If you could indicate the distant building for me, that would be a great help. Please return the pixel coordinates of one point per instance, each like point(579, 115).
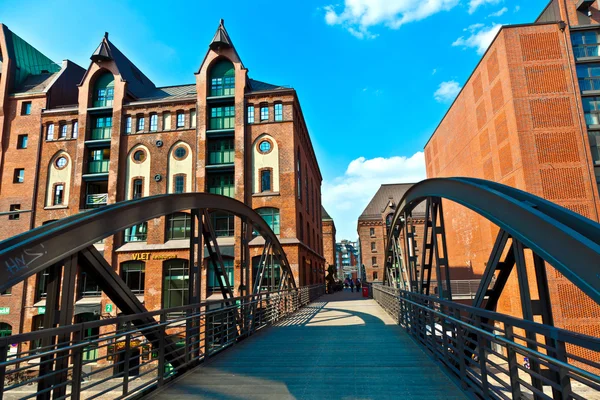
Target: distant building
point(348, 259)
point(372, 228)
point(329, 246)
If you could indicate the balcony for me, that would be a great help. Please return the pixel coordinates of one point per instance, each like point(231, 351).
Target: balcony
point(98, 166)
point(101, 133)
point(96, 200)
point(586, 51)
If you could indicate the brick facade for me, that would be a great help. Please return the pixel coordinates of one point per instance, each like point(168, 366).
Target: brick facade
point(73, 104)
point(519, 121)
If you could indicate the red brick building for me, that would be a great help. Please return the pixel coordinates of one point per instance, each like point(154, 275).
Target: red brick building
point(528, 117)
point(372, 227)
point(328, 238)
point(74, 139)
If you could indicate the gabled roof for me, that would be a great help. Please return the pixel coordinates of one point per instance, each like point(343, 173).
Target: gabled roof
point(35, 84)
point(388, 192)
point(325, 215)
point(178, 92)
point(221, 38)
point(138, 84)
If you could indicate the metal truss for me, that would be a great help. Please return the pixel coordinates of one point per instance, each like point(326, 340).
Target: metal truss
point(64, 245)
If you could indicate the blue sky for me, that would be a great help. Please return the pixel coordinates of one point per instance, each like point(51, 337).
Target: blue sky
point(374, 77)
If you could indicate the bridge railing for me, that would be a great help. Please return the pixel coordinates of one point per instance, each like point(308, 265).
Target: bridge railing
point(112, 358)
point(497, 356)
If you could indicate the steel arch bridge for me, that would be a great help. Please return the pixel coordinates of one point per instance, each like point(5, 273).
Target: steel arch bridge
point(555, 236)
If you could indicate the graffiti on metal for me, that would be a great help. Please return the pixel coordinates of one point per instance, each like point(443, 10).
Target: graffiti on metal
point(23, 261)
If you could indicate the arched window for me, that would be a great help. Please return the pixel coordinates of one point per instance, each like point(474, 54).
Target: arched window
point(178, 226)
point(104, 90)
point(388, 219)
point(222, 79)
point(5, 329)
point(134, 275)
point(176, 274)
point(271, 217)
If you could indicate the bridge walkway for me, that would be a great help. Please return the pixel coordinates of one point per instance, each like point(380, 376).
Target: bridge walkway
point(340, 347)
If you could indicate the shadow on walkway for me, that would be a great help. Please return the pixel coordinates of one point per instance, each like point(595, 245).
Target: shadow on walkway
point(342, 346)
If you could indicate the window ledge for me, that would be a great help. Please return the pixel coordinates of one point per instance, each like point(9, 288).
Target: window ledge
point(61, 207)
point(594, 127)
point(265, 194)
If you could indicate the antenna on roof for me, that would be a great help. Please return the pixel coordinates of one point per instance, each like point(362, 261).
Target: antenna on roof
point(222, 22)
point(105, 35)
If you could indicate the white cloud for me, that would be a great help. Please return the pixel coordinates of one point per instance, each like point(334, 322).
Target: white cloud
point(480, 37)
point(499, 13)
point(357, 16)
point(346, 196)
point(475, 4)
point(517, 8)
point(434, 71)
point(447, 91)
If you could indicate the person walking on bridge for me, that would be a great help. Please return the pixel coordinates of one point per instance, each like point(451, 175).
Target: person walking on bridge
point(358, 285)
point(351, 285)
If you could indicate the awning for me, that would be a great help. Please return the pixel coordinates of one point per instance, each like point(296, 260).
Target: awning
point(225, 251)
point(88, 305)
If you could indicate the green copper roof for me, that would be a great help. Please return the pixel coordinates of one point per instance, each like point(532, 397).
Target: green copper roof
point(28, 60)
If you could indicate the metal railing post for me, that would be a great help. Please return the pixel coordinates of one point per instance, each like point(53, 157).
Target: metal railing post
point(126, 360)
point(161, 350)
point(3, 352)
point(513, 367)
point(77, 360)
point(481, 342)
point(460, 349)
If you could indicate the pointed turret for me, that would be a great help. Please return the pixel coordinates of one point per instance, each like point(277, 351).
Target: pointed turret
point(221, 39)
point(102, 53)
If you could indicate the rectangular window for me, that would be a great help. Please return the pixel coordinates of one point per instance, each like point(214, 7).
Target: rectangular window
point(375, 277)
point(179, 184)
point(15, 216)
point(26, 108)
point(102, 129)
point(88, 287)
point(373, 246)
point(222, 117)
point(278, 112)
point(374, 260)
point(153, 122)
point(594, 138)
point(193, 118)
point(222, 184)
point(134, 275)
point(63, 132)
point(136, 233)
point(180, 120)
point(179, 226)
point(588, 76)
point(42, 285)
point(50, 132)
point(213, 277)
point(140, 124)
point(220, 151)
point(22, 142)
point(250, 114)
point(591, 109)
point(59, 191)
point(265, 180)
point(372, 231)
point(128, 124)
point(585, 44)
point(138, 188)
point(223, 223)
point(19, 176)
point(167, 121)
point(264, 113)
point(75, 132)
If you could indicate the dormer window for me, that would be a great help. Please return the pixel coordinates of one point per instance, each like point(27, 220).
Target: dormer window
point(104, 90)
point(222, 79)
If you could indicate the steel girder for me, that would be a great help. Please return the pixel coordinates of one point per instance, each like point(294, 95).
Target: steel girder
point(560, 237)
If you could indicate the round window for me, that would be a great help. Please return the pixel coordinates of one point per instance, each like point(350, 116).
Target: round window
point(180, 152)
point(139, 155)
point(61, 162)
point(264, 146)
